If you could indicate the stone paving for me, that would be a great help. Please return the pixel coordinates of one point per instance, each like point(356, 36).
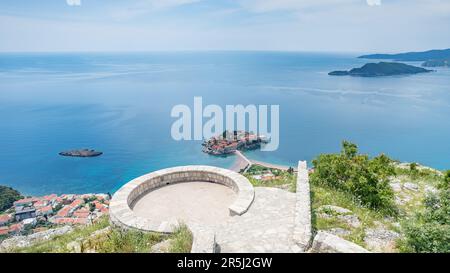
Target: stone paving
point(198, 202)
point(266, 227)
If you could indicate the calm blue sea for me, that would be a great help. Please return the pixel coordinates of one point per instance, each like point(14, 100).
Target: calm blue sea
point(120, 104)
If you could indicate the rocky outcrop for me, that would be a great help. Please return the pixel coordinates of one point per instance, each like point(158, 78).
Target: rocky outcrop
point(81, 153)
point(339, 232)
point(380, 239)
point(325, 242)
point(162, 247)
point(343, 214)
point(25, 241)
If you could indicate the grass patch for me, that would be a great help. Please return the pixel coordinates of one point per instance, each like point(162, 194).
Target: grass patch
point(322, 195)
point(120, 241)
point(283, 179)
point(98, 238)
point(181, 240)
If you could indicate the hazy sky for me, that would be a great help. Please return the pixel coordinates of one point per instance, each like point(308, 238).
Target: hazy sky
point(301, 25)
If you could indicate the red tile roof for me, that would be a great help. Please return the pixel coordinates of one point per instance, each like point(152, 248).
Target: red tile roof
point(63, 220)
point(4, 230)
point(81, 213)
point(76, 203)
point(5, 218)
point(15, 227)
point(80, 221)
point(45, 209)
point(40, 203)
point(50, 197)
point(64, 212)
point(24, 201)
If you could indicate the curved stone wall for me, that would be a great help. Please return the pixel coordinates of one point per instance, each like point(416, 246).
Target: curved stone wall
point(121, 206)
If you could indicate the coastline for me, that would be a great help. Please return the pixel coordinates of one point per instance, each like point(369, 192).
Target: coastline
point(242, 162)
point(272, 166)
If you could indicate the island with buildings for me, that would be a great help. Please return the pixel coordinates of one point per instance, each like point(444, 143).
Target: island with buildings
point(231, 141)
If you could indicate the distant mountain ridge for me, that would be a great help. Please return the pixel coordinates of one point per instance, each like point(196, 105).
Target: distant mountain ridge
point(435, 54)
point(381, 69)
point(431, 58)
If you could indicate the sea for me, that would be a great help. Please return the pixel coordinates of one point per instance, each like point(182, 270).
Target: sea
point(121, 103)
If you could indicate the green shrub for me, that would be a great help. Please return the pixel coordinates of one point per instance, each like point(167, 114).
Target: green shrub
point(366, 179)
point(429, 231)
point(446, 183)
point(7, 197)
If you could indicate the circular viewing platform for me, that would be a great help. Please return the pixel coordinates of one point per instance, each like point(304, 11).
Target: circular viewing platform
point(198, 195)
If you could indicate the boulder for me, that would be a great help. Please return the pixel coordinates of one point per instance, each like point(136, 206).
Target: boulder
point(325, 242)
point(162, 247)
point(430, 189)
point(380, 239)
point(343, 214)
point(351, 220)
point(396, 186)
point(329, 209)
point(411, 186)
point(339, 232)
point(74, 247)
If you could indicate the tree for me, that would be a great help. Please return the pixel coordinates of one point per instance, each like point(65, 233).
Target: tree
point(8, 196)
point(366, 179)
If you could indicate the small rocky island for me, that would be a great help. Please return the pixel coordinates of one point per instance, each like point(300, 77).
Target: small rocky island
point(81, 153)
point(381, 69)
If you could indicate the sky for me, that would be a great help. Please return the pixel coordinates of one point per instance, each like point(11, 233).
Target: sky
point(185, 25)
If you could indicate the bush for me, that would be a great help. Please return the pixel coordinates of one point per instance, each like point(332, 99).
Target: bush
point(7, 197)
point(446, 183)
point(429, 231)
point(366, 179)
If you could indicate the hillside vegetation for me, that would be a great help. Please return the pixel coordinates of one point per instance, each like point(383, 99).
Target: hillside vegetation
point(380, 204)
point(100, 237)
point(7, 197)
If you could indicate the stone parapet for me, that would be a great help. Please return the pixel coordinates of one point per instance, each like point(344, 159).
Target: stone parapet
point(121, 205)
point(302, 234)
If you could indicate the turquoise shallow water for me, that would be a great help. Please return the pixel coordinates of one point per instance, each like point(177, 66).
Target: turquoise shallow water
point(120, 104)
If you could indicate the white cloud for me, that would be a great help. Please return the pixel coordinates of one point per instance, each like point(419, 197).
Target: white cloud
point(142, 7)
point(292, 5)
point(374, 2)
point(73, 2)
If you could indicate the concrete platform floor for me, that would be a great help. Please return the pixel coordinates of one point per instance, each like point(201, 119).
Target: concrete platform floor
point(267, 227)
point(191, 202)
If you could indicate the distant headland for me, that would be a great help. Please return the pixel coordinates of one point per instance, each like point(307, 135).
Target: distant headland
point(81, 153)
point(431, 58)
point(381, 69)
